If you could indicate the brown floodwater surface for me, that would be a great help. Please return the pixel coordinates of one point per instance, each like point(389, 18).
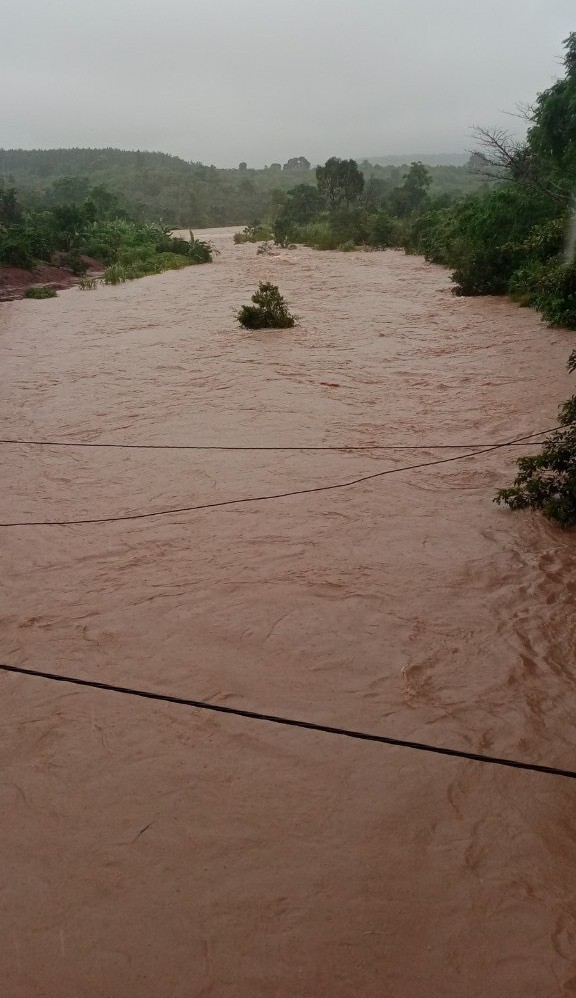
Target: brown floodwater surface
point(155, 851)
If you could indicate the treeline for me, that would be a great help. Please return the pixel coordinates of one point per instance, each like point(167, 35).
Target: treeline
point(156, 187)
point(345, 210)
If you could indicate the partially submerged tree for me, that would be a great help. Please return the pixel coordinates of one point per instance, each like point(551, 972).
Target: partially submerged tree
point(269, 310)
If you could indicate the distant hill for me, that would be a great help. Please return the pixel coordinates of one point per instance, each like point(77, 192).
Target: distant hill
point(48, 163)
point(429, 159)
point(154, 186)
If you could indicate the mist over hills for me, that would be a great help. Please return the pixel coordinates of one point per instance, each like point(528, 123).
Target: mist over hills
point(429, 159)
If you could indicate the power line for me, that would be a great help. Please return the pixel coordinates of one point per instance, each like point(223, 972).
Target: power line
point(257, 447)
point(292, 722)
point(261, 498)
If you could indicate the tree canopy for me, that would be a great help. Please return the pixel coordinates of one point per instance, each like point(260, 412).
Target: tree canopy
point(339, 180)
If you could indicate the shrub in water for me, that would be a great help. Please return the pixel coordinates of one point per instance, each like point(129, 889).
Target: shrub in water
point(199, 251)
point(318, 235)
point(254, 233)
point(116, 274)
point(134, 266)
point(41, 291)
point(170, 261)
point(266, 249)
point(87, 283)
point(547, 481)
point(269, 310)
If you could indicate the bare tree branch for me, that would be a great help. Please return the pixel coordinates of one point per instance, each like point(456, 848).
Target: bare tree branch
point(501, 157)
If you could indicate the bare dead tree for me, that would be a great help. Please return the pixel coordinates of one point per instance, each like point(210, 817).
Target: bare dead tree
point(496, 154)
point(501, 157)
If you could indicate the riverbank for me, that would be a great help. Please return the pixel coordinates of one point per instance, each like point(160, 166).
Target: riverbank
point(15, 281)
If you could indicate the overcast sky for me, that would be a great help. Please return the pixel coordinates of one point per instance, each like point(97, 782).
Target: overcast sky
point(263, 80)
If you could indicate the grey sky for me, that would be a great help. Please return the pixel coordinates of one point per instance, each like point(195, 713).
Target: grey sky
point(262, 80)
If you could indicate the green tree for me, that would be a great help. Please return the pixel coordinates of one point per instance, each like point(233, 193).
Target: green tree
point(106, 204)
point(303, 203)
point(10, 211)
point(413, 193)
point(339, 181)
point(551, 147)
point(490, 236)
point(68, 190)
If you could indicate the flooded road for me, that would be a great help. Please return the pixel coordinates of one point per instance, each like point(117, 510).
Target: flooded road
point(154, 851)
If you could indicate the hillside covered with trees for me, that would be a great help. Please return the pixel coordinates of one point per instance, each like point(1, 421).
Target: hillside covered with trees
point(156, 187)
point(152, 186)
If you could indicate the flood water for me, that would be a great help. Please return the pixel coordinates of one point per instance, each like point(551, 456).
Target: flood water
point(155, 851)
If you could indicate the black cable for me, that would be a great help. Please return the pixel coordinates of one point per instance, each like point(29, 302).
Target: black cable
point(291, 722)
point(278, 495)
point(272, 447)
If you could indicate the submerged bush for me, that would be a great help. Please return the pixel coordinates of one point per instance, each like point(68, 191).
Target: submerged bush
point(87, 283)
point(41, 291)
point(547, 481)
point(170, 261)
point(483, 271)
point(269, 310)
point(133, 266)
point(173, 244)
point(254, 233)
point(283, 231)
point(318, 235)
point(199, 251)
point(116, 274)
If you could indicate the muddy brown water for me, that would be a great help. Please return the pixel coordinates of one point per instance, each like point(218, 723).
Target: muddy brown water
point(153, 851)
